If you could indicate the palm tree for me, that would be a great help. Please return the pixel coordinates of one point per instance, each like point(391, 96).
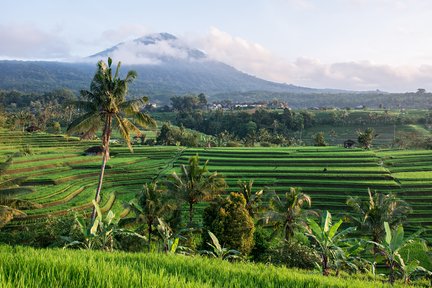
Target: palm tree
point(196, 184)
point(328, 239)
point(253, 200)
point(369, 215)
point(106, 106)
point(286, 212)
point(150, 205)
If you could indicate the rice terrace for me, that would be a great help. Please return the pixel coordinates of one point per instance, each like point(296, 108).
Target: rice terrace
point(134, 158)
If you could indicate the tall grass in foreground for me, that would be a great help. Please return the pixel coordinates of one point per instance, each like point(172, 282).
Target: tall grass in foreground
point(27, 267)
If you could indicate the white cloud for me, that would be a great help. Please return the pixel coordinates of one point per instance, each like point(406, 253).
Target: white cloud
point(254, 59)
point(134, 52)
point(28, 42)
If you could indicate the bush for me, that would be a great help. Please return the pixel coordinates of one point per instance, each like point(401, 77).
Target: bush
point(293, 254)
point(233, 144)
point(230, 221)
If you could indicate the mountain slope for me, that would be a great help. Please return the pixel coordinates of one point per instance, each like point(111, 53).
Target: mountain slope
point(166, 66)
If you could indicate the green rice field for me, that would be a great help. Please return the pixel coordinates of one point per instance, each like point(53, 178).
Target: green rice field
point(61, 179)
point(27, 267)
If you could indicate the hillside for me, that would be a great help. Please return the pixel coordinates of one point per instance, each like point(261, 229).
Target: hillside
point(165, 65)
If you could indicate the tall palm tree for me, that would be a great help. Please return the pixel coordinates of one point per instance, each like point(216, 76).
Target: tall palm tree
point(196, 184)
point(286, 212)
point(105, 105)
point(151, 204)
point(369, 215)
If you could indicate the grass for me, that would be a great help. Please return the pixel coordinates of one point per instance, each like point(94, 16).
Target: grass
point(27, 267)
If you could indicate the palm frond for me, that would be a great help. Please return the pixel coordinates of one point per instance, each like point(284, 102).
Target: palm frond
point(85, 123)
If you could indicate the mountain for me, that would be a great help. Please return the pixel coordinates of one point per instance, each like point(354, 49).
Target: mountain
point(166, 66)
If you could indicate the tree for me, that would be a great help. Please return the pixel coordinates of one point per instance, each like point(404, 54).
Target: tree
point(150, 204)
point(286, 212)
point(366, 137)
point(319, 139)
point(230, 221)
point(105, 105)
point(328, 239)
point(369, 215)
point(195, 184)
point(253, 200)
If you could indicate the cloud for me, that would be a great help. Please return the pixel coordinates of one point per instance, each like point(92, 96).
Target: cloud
point(254, 59)
point(136, 52)
point(125, 32)
point(28, 42)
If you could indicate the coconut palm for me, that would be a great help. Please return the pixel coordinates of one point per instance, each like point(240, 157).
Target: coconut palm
point(105, 105)
point(369, 215)
point(150, 205)
point(253, 200)
point(286, 212)
point(195, 184)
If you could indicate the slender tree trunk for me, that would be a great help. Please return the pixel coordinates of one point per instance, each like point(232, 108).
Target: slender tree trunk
point(149, 230)
point(105, 142)
point(190, 213)
point(325, 268)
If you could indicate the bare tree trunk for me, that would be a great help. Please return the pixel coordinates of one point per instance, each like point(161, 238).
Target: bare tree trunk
point(105, 141)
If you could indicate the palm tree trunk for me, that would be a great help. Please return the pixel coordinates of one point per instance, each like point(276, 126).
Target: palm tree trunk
point(190, 213)
point(105, 142)
point(149, 229)
point(325, 268)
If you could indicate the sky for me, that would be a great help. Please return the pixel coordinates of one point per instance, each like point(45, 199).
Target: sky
point(345, 44)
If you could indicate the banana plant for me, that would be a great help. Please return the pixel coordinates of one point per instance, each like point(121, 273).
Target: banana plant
point(170, 240)
point(328, 240)
point(219, 251)
point(393, 242)
point(100, 235)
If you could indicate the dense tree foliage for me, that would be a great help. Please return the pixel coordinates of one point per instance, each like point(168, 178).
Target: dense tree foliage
point(229, 219)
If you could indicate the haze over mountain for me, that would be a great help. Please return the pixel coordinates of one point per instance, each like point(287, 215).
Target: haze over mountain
point(166, 66)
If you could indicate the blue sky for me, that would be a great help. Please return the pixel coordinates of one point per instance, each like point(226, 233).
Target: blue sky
point(349, 44)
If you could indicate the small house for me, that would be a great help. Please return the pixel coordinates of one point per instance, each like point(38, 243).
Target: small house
point(349, 143)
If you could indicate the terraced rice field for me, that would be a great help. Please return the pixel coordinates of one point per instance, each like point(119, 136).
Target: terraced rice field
point(62, 179)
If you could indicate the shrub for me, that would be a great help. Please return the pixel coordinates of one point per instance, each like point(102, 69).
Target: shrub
point(230, 221)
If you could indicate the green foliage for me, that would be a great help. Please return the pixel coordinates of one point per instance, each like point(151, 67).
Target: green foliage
point(151, 204)
point(73, 268)
point(393, 242)
point(99, 234)
point(195, 184)
point(328, 240)
point(286, 214)
point(219, 251)
point(253, 200)
point(294, 254)
point(231, 222)
point(369, 215)
point(366, 137)
point(171, 136)
point(319, 139)
point(105, 105)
